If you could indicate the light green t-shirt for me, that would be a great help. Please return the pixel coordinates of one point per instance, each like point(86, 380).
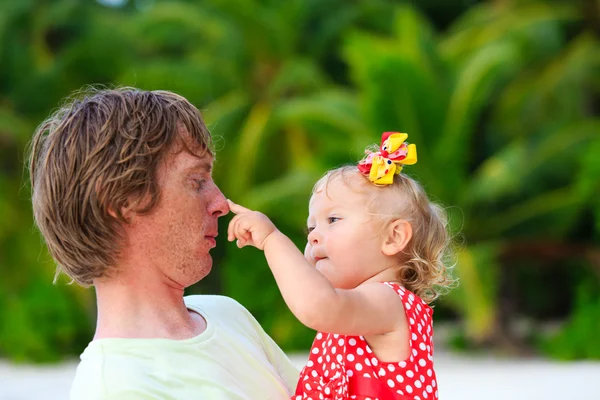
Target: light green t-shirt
point(233, 359)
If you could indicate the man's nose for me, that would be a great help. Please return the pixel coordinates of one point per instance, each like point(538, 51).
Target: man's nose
point(218, 204)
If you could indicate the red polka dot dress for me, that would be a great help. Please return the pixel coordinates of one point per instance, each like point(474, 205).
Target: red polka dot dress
point(344, 367)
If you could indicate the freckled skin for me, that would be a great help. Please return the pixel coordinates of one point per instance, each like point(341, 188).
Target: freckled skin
point(172, 237)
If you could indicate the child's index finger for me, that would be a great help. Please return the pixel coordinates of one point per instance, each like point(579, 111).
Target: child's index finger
point(236, 208)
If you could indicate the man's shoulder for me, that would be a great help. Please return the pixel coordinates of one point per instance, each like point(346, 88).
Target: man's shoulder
point(100, 377)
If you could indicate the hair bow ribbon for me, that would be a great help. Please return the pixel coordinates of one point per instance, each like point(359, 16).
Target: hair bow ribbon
point(381, 166)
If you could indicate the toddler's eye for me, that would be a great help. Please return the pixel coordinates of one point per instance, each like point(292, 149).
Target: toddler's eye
point(331, 220)
point(309, 229)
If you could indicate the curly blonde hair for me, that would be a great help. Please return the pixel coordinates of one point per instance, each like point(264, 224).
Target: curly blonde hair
point(425, 265)
point(96, 157)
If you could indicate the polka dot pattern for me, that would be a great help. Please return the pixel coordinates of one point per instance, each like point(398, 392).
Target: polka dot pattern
point(339, 366)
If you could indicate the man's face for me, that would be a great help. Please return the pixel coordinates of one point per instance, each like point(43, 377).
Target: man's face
point(175, 238)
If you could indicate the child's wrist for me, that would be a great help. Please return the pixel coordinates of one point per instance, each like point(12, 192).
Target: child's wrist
point(270, 238)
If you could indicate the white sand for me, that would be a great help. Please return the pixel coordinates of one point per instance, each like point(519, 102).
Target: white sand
point(460, 378)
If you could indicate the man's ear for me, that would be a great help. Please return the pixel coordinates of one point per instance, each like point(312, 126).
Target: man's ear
point(396, 236)
point(127, 212)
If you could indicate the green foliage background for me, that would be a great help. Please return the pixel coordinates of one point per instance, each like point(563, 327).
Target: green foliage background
point(501, 97)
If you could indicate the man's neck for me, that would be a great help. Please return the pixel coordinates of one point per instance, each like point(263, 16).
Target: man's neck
point(144, 307)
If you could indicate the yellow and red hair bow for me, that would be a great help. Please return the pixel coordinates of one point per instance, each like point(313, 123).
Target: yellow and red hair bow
point(381, 166)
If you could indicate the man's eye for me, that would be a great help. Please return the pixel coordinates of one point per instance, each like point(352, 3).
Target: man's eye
point(199, 183)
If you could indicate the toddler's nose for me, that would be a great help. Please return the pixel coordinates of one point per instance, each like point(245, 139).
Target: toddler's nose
point(313, 237)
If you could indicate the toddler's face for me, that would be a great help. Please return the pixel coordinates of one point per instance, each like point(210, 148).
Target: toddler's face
point(344, 241)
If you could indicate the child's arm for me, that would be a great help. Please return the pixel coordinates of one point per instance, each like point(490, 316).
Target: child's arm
point(369, 309)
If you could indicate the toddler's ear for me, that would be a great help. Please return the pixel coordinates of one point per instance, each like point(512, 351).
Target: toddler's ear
point(397, 235)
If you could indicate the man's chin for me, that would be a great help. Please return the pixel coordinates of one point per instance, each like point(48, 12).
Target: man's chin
point(200, 271)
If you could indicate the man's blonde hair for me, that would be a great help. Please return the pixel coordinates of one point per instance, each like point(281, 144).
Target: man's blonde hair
point(94, 158)
point(425, 264)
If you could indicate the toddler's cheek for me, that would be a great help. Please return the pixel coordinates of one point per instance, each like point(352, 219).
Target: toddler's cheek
point(307, 254)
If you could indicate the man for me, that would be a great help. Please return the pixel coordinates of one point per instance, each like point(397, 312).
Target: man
point(123, 195)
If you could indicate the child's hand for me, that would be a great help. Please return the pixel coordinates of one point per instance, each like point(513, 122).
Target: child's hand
point(249, 227)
